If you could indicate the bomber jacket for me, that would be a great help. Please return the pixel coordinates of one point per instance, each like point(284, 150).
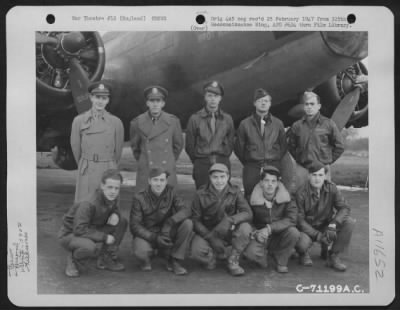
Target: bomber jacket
point(85, 217)
point(201, 143)
point(209, 208)
point(282, 214)
point(251, 146)
point(149, 212)
point(318, 140)
point(316, 213)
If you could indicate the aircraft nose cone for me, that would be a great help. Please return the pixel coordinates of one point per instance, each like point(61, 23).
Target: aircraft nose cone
point(73, 42)
point(347, 43)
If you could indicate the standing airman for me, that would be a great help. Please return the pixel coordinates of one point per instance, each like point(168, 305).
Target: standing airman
point(156, 138)
point(97, 139)
point(314, 138)
point(261, 140)
point(210, 134)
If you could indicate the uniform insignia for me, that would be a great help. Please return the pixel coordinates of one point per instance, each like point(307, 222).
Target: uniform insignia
point(154, 90)
point(101, 86)
point(214, 84)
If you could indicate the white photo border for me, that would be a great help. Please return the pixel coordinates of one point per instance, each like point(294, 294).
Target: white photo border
point(21, 154)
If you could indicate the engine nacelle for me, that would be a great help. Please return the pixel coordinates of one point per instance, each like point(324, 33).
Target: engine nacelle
point(54, 101)
point(52, 60)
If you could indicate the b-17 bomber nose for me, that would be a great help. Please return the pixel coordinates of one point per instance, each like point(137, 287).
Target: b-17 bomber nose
point(347, 43)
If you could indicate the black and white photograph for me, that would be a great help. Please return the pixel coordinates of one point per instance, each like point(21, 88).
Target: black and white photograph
point(204, 162)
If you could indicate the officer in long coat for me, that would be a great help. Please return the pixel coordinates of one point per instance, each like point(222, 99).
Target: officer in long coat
point(156, 138)
point(97, 139)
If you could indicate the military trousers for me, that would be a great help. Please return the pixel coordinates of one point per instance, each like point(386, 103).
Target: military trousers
point(280, 245)
point(343, 237)
point(181, 236)
point(202, 165)
point(251, 175)
point(83, 248)
point(202, 251)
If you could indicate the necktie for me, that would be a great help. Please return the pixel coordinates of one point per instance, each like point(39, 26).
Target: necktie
point(316, 195)
point(212, 123)
point(262, 127)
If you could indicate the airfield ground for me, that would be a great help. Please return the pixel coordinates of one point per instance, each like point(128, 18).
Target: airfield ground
point(55, 194)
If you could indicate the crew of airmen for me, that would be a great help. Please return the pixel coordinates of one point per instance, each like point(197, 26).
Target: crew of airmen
point(220, 224)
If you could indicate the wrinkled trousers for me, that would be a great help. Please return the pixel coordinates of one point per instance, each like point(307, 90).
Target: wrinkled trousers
point(83, 248)
point(343, 237)
point(202, 251)
point(181, 236)
point(279, 244)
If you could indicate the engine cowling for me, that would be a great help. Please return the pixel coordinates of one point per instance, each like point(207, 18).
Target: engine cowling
point(56, 103)
point(53, 58)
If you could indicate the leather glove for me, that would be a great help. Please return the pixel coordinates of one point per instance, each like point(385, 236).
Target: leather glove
point(223, 227)
point(322, 238)
point(217, 244)
point(166, 228)
point(164, 242)
point(263, 234)
point(113, 219)
point(330, 233)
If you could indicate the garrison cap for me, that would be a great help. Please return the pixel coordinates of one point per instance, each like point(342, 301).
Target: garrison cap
point(315, 166)
point(214, 87)
point(260, 93)
point(155, 92)
point(100, 88)
point(218, 167)
point(157, 171)
point(271, 170)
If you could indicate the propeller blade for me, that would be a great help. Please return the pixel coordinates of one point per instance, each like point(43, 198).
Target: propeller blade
point(90, 54)
point(79, 83)
point(288, 172)
point(43, 39)
point(345, 108)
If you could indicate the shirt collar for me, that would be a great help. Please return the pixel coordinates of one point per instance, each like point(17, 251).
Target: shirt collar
point(228, 189)
point(98, 199)
point(88, 115)
point(323, 189)
point(204, 113)
point(154, 118)
point(267, 118)
point(154, 197)
point(316, 118)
